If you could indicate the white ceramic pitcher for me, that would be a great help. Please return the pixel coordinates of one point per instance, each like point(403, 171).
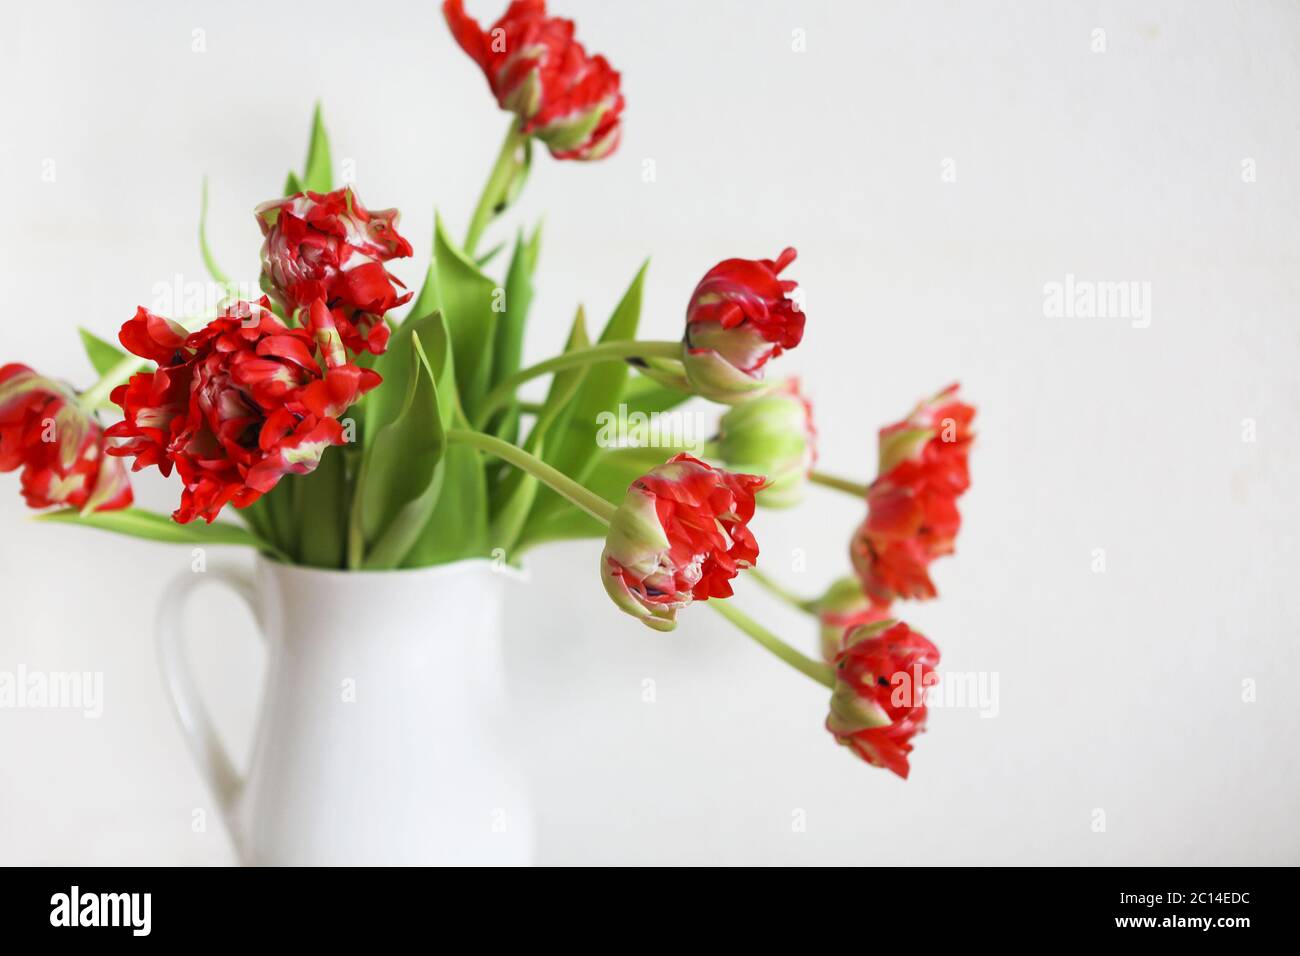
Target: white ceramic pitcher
point(383, 726)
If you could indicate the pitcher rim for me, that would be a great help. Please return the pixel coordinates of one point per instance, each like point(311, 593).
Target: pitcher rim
point(509, 572)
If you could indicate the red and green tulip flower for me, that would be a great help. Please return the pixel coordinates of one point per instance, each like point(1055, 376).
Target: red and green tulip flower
point(878, 704)
point(680, 535)
point(740, 316)
point(564, 97)
point(58, 444)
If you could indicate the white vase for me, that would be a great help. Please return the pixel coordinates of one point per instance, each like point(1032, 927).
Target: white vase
point(383, 731)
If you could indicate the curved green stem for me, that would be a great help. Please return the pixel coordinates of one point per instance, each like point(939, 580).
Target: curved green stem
point(497, 188)
point(776, 588)
point(620, 350)
point(839, 484)
point(821, 673)
point(556, 480)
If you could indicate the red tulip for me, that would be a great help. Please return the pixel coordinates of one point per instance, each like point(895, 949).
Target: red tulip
point(59, 447)
point(932, 445)
point(569, 100)
point(878, 704)
point(236, 405)
point(740, 316)
point(328, 246)
point(912, 515)
point(680, 535)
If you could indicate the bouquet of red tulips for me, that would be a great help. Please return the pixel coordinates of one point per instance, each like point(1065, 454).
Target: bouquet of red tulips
point(340, 434)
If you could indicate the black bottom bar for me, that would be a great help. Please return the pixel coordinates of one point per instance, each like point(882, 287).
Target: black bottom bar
point(910, 906)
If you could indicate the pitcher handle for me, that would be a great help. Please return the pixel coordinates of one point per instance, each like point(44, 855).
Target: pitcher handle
point(218, 772)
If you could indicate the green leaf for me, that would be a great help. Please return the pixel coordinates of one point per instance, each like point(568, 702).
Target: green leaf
point(603, 387)
point(648, 396)
point(255, 517)
point(103, 355)
point(209, 262)
point(458, 527)
point(318, 171)
point(600, 392)
point(278, 509)
point(319, 500)
point(565, 382)
point(509, 343)
point(519, 489)
point(395, 365)
point(400, 474)
point(318, 174)
point(139, 523)
point(426, 303)
point(509, 340)
point(534, 247)
point(466, 297)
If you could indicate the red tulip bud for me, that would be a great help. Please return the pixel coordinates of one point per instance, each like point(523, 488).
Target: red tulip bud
point(878, 704)
point(59, 446)
point(564, 97)
point(680, 535)
point(740, 316)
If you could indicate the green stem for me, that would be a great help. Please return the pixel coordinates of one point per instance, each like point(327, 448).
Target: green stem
point(839, 484)
point(493, 198)
point(619, 350)
point(818, 671)
point(776, 588)
point(556, 480)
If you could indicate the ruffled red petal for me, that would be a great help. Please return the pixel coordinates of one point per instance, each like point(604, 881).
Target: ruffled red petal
point(250, 401)
point(570, 100)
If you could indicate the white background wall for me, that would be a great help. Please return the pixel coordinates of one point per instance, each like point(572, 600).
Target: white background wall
point(1120, 691)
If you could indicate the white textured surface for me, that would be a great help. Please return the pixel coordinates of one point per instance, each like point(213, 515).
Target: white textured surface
point(1119, 691)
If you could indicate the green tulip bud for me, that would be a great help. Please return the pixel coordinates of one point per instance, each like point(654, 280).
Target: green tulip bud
point(774, 436)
